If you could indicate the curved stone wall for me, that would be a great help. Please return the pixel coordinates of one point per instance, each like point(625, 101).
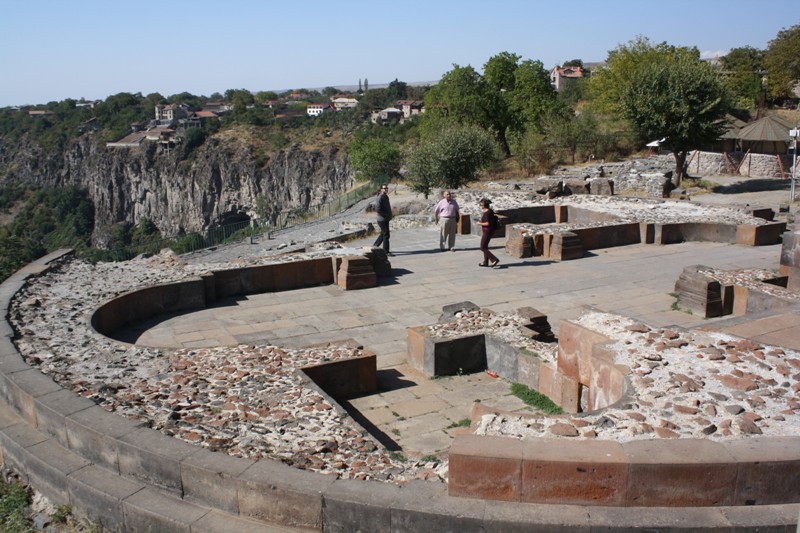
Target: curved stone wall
point(131, 478)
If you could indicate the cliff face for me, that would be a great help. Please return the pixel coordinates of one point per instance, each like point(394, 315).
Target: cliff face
point(218, 185)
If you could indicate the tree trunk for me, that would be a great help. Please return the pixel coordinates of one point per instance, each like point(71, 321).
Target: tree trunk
point(680, 160)
point(501, 139)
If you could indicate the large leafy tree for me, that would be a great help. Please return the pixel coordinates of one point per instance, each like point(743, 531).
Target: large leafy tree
point(742, 69)
point(782, 60)
point(533, 98)
point(683, 100)
point(373, 158)
point(611, 81)
point(509, 96)
point(451, 158)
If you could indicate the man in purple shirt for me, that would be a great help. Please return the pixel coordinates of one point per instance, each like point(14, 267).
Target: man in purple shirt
point(446, 216)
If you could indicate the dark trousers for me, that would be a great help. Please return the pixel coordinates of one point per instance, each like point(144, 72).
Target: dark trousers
point(384, 236)
point(486, 236)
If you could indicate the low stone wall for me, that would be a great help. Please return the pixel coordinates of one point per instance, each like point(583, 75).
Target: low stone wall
point(744, 164)
point(641, 473)
point(127, 477)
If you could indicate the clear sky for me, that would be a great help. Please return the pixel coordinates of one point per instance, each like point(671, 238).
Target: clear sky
point(56, 49)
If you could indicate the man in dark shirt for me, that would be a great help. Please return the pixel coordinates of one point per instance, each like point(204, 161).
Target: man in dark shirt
point(384, 210)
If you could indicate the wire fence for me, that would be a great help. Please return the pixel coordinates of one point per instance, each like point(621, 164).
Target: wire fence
point(249, 229)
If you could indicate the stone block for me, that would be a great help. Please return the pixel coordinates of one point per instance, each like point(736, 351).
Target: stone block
point(606, 384)
point(346, 377)
point(647, 232)
point(601, 186)
point(768, 470)
point(23, 387)
point(153, 458)
point(608, 236)
point(790, 259)
point(518, 243)
point(560, 388)
point(150, 510)
point(561, 213)
point(528, 370)
point(275, 492)
point(52, 410)
point(97, 494)
point(762, 235)
point(48, 464)
point(437, 356)
point(425, 506)
point(752, 300)
point(209, 478)
point(668, 233)
point(565, 246)
point(359, 506)
point(485, 467)
point(699, 293)
point(502, 358)
point(93, 434)
point(579, 473)
point(356, 272)
point(679, 473)
point(464, 225)
point(575, 348)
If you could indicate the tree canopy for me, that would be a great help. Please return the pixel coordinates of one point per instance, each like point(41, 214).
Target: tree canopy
point(682, 100)
point(743, 68)
point(509, 96)
point(612, 80)
point(782, 60)
point(451, 158)
point(373, 158)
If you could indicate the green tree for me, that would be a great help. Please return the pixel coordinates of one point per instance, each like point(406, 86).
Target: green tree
point(611, 81)
point(262, 97)
point(743, 69)
point(499, 75)
point(451, 158)
point(683, 101)
point(373, 158)
point(533, 98)
point(397, 90)
point(458, 97)
point(782, 62)
point(509, 96)
point(571, 132)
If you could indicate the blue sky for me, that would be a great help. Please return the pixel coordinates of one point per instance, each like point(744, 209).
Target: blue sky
point(57, 49)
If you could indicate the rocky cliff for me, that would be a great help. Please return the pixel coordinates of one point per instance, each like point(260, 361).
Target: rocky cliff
point(218, 184)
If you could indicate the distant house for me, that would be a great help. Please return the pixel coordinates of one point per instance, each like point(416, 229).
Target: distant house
point(218, 107)
point(171, 112)
point(389, 114)
point(39, 113)
point(342, 102)
point(560, 77)
point(90, 105)
point(315, 110)
point(410, 108)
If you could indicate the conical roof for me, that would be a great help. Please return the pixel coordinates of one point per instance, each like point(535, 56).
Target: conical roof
point(769, 128)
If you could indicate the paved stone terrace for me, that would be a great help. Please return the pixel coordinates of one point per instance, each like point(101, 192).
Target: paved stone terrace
point(418, 413)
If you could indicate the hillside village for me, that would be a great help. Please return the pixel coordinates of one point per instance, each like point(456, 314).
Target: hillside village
point(170, 118)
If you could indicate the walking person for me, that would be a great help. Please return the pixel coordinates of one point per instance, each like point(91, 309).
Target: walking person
point(446, 214)
point(488, 225)
point(384, 211)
